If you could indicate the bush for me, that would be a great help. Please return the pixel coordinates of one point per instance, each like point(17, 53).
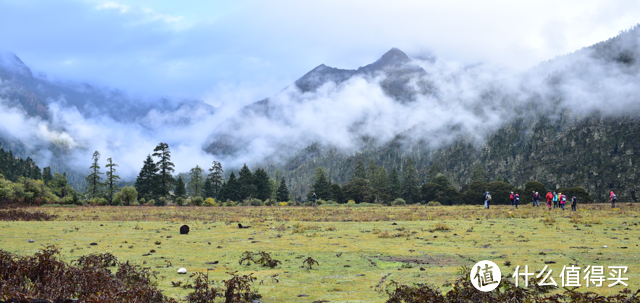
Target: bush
point(142, 201)
point(66, 200)
point(399, 201)
point(151, 202)
point(162, 201)
point(197, 200)
point(180, 201)
point(255, 202)
point(210, 202)
point(135, 204)
point(434, 203)
point(283, 204)
point(97, 201)
point(351, 202)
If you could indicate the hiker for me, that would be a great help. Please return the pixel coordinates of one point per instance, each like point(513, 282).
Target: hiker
point(555, 200)
point(563, 200)
point(574, 203)
point(549, 199)
point(487, 200)
point(536, 199)
point(613, 199)
point(313, 198)
point(512, 198)
point(516, 200)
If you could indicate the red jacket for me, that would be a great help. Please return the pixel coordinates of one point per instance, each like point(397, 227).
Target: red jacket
point(511, 197)
point(549, 197)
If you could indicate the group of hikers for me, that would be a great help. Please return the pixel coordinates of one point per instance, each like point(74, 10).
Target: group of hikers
point(557, 199)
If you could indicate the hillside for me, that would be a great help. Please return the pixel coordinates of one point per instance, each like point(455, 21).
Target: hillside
point(573, 121)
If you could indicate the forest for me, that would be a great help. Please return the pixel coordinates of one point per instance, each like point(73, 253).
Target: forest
point(22, 181)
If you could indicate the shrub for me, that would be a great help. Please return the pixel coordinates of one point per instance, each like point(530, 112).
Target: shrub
point(399, 201)
point(255, 202)
point(434, 203)
point(197, 200)
point(142, 201)
point(210, 202)
point(441, 227)
point(351, 202)
point(162, 201)
point(151, 202)
point(97, 201)
point(283, 204)
point(180, 201)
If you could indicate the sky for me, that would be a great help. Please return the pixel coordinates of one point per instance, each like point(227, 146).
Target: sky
point(236, 52)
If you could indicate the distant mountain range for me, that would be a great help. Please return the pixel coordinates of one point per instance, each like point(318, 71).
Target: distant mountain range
point(570, 121)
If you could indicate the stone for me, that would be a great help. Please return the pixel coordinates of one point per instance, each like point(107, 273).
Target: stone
point(184, 229)
point(182, 270)
point(93, 243)
point(31, 241)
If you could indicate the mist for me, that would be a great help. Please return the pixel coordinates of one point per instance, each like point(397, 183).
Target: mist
point(465, 103)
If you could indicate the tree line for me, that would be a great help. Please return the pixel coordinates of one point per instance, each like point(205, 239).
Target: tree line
point(157, 185)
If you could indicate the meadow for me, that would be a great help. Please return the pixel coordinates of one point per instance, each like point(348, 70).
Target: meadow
point(359, 249)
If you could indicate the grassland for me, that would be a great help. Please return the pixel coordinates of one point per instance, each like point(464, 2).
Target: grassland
point(355, 246)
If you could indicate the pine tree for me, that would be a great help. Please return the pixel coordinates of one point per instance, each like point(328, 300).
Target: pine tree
point(261, 184)
point(147, 179)
point(47, 175)
point(165, 168)
point(359, 171)
point(336, 192)
point(320, 185)
point(196, 183)
point(479, 174)
point(94, 189)
point(181, 189)
point(371, 170)
point(222, 193)
point(282, 193)
point(112, 178)
point(232, 188)
point(207, 188)
point(395, 188)
point(434, 171)
point(216, 178)
point(410, 190)
point(246, 188)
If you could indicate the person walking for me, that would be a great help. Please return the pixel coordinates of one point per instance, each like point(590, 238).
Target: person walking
point(613, 199)
point(536, 199)
point(516, 200)
point(313, 198)
point(487, 200)
point(563, 200)
point(512, 198)
point(555, 200)
point(574, 203)
point(549, 198)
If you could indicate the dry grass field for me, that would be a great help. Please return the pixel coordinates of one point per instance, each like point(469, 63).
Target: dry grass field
point(356, 247)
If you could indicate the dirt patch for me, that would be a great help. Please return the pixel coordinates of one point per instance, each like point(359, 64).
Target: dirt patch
point(428, 260)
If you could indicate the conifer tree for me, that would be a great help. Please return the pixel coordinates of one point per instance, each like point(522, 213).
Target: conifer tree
point(232, 188)
point(321, 186)
point(47, 175)
point(395, 188)
point(261, 184)
point(147, 179)
point(207, 188)
point(165, 168)
point(95, 187)
point(371, 170)
point(112, 179)
point(479, 174)
point(410, 187)
point(246, 188)
point(196, 183)
point(181, 189)
point(216, 178)
point(283, 192)
point(359, 171)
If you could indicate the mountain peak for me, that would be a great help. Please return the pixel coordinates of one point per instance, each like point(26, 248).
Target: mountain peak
point(10, 62)
point(395, 55)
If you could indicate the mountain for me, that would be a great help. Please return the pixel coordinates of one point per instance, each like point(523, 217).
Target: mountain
point(47, 111)
point(571, 121)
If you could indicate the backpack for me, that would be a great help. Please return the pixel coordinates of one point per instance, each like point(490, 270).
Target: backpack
point(488, 197)
point(564, 198)
point(614, 197)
